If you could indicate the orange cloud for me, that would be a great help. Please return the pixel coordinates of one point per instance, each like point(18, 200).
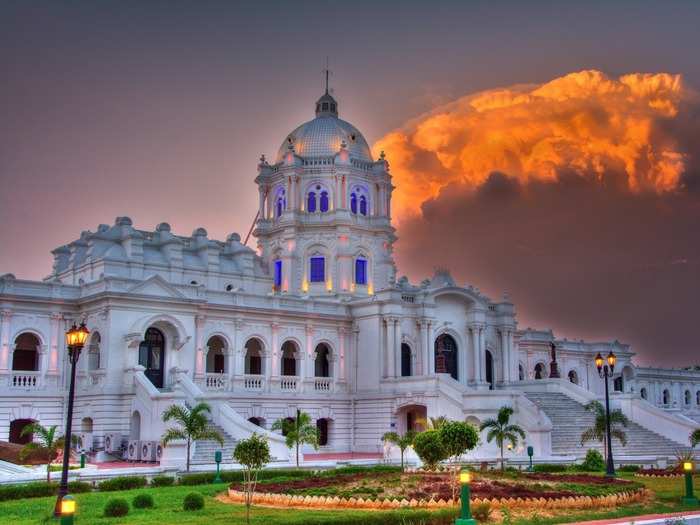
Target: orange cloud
point(583, 123)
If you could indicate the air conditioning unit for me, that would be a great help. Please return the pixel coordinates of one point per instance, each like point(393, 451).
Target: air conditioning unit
point(149, 450)
point(113, 443)
point(85, 442)
point(133, 450)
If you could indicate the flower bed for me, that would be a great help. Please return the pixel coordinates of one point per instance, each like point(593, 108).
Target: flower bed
point(659, 473)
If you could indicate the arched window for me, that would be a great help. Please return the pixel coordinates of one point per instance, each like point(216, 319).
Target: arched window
point(360, 270)
point(489, 369)
point(697, 398)
point(573, 377)
point(539, 371)
point(446, 356)
point(216, 360)
point(359, 201)
point(324, 202)
point(311, 202)
point(687, 397)
point(322, 365)
point(152, 356)
point(93, 360)
point(253, 357)
point(353, 203)
point(257, 421)
point(289, 360)
point(17, 426)
point(406, 368)
point(322, 427)
point(26, 354)
point(135, 426)
point(317, 269)
point(521, 372)
point(278, 273)
point(86, 424)
point(643, 393)
point(617, 384)
point(363, 205)
point(666, 398)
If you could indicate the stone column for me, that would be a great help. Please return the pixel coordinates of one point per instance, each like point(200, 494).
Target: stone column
point(310, 351)
point(355, 354)
point(56, 338)
point(274, 353)
point(200, 355)
point(423, 347)
point(482, 353)
point(397, 347)
point(505, 357)
point(236, 359)
point(429, 348)
point(390, 350)
point(261, 205)
point(341, 356)
point(474, 332)
point(5, 317)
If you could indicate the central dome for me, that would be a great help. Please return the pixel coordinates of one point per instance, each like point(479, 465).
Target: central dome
point(322, 136)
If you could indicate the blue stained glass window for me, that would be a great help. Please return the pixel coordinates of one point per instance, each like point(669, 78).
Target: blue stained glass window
point(363, 205)
point(278, 273)
point(318, 269)
point(311, 202)
point(324, 201)
point(280, 207)
point(353, 203)
point(360, 271)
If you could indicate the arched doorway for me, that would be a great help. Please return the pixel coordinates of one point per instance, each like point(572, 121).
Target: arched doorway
point(93, 353)
point(16, 428)
point(489, 369)
point(289, 359)
point(411, 417)
point(666, 397)
point(152, 356)
point(86, 424)
point(521, 372)
point(253, 357)
point(406, 368)
point(539, 371)
point(573, 377)
point(322, 366)
point(216, 356)
point(643, 393)
point(446, 356)
point(322, 428)
point(26, 354)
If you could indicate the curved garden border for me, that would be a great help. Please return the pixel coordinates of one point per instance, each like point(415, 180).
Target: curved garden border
point(580, 502)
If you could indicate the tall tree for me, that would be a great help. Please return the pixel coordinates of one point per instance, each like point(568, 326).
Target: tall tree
point(457, 437)
point(597, 432)
point(48, 442)
point(502, 430)
point(695, 438)
point(194, 426)
point(403, 442)
point(298, 431)
point(253, 453)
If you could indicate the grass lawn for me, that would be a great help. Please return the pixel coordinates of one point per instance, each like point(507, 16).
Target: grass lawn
point(168, 510)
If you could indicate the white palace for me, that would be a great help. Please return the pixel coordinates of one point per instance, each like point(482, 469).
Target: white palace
point(315, 319)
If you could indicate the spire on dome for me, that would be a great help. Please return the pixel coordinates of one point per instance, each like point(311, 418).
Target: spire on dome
point(326, 106)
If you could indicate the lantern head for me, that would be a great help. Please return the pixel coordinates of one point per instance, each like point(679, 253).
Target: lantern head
point(465, 477)
point(599, 362)
point(67, 505)
point(612, 359)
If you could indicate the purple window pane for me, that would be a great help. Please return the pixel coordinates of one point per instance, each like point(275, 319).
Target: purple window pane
point(361, 271)
point(363, 205)
point(278, 273)
point(318, 269)
point(311, 204)
point(324, 202)
point(353, 203)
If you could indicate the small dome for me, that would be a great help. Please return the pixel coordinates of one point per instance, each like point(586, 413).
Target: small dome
point(323, 136)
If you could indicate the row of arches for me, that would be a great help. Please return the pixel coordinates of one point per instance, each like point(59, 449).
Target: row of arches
point(666, 398)
point(317, 199)
point(254, 362)
point(26, 356)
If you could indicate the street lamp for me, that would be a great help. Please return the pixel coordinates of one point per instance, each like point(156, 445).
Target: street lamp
point(67, 510)
point(605, 371)
point(465, 516)
point(75, 340)
point(689, 498)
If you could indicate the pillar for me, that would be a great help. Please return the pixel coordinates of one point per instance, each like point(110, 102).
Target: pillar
point(505, 356)
point(309, 351)
point(423, 324)
point(274, 353)
point(199, 365)
point(5, 317)
point(261, 205)
point(236, 355)
point(341, 356)
point(55, 339)
point(390, 349)
point(429, 348)
point(397, 347)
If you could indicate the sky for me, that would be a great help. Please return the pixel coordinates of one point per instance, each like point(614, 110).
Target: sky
point(544, 149)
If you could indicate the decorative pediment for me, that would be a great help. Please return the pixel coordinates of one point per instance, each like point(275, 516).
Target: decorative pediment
point(156, 286)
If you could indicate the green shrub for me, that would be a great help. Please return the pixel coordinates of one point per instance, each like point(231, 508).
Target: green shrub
point(594, 461)
point(122, 483)
point(428, 445)
point(482, 512)
point(630, 468)
point(193, 501)
point(142, 501)
point(550, 467)
point(116, 507)
point(39, 490)
point(162, 481)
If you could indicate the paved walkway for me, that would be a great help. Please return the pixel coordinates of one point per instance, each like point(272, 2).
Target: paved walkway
point(638, 520)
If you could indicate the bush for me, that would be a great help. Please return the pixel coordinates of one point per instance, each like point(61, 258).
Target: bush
point(429, 448)
point(162, 481)
point(39, 490)
point(142, 501)
point(193, 501)
point(629, 468)
point(482, 512)
point(594, 461)
point(550, 467)
point(122, 483)
point(116, 507)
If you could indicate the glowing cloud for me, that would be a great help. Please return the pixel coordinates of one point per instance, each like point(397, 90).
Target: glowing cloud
point(613, 131)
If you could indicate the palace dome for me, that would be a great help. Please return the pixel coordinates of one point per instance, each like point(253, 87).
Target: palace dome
point(322, 136)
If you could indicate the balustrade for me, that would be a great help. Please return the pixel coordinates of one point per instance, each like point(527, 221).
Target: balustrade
point(254, 382)
point(25, 380)
point(215, 381)
point(322, 384)
point(288, 383)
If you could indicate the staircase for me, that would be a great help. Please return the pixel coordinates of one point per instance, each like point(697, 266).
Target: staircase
point(204, 450)
point(570, 419)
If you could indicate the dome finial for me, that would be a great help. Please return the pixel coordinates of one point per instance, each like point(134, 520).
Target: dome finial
point(327, 71)
point(326, 106)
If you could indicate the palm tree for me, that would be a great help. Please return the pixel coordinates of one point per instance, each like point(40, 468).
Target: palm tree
point(297, 431)
point(194, 426)
point(403, 442)
point(47, 442)
point(597, 431)
point(695, 438)
point(501, 430)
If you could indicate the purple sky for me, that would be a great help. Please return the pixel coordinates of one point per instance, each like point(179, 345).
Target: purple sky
point(160, 110)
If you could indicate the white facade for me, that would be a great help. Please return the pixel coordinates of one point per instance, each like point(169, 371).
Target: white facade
point(315, 320)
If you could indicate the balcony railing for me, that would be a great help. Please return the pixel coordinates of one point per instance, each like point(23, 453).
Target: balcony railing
point(288, 384)
point(322, 384)
point(25, 380)
point(216, 381)
point(254, 382)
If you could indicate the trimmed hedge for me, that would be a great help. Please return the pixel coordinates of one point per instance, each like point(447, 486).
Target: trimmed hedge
point(39, 490)
point(122, 483)
point(629, 468)
point(193, 501)
point(233, 476)
point(550, 467)
point(162, 481)
point(116, 507)
point(142, 501)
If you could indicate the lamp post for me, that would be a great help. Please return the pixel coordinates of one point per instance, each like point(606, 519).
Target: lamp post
point(530, 453)
point(75, 340)
point(465, 516)
point(605, 371)
point(217, 458)
point(67, 510)
point(689, 498)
